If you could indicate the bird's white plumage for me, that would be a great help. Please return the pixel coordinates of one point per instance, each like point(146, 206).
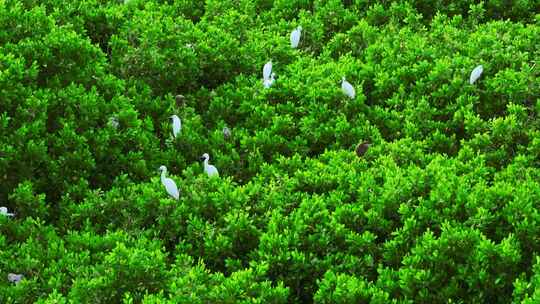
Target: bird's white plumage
point(113, 122)
point(4, 212)
point(14, 278)
point(347, 88)
point(269, 82)
point(226, 132)
point(209, 169)
point(169, 184)
point(176, 125)
point(267, 70)
point(295, 37)
point(475, 74)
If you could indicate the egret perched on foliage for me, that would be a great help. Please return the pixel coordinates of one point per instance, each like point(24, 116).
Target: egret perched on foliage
point(209, 169)
point(475, 74)
point(14, 278)
point(176, 125)
point(169, 184)
point(113, 122)
point(267, 70)
point(347, 88)
point(4, 212)
point(295, 37)
point(269, 82)
point(226, 133)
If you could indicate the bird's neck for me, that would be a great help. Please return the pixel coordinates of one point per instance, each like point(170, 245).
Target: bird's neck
point(163, 172)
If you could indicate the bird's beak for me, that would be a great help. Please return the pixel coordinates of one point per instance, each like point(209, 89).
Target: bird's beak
point(201, 158)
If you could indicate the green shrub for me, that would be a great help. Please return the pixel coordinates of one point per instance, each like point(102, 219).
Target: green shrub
point(442, 207)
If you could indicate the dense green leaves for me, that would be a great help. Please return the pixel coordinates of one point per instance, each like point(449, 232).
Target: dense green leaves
point(442, 208)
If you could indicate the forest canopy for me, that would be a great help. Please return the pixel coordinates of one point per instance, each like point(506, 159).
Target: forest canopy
point(421, 187)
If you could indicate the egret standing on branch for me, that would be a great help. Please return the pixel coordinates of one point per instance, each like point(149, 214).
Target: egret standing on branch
point(209, 169)
point(176, 125)
point(267, 70)
point(347, 88)
point(295, 37)
point(169, 184)
point(226, 133)
point(475, 74)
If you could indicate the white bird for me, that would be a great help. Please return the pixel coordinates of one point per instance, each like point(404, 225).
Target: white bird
point(267, 70)
point(14, 278)
point(226, 133)
point(269, 82)
point(4, 212)
point(113, 122)
point(475, 74)
point(209, 169)
point(169, 184)
point(176, 125)
point(295, 37)
point(347, 88)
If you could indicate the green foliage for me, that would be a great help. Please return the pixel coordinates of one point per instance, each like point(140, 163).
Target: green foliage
point(342, 288)
point(442, 208)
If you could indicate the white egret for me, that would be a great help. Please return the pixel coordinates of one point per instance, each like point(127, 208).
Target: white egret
point(269, 82)
point(295, 37)
point(113, 122)
point(169, 184)
point(347, 88)
point(226, 133)
point(267, 70)
point(14, 278)
point(4, 212)
point(475, 74)
point(209, 169)
point(177, 125)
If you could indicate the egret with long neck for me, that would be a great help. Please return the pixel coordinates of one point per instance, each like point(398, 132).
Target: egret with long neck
point(209, 169)
point(177, 125)
point(295, 37)
point(169, 184)
point(347, 88)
